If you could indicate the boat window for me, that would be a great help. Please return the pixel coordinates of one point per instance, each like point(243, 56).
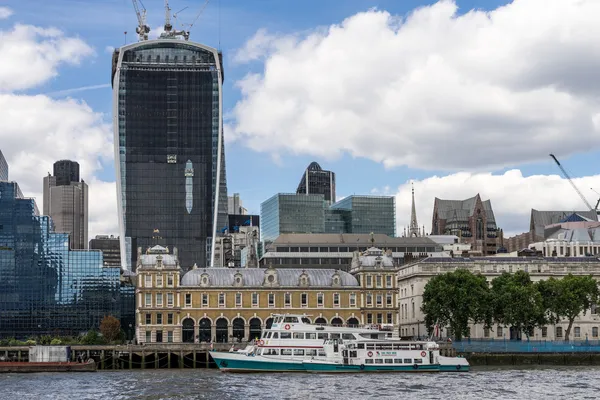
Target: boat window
point(418, 361)
point(299, 352)
point(311, 352)
point(264, 335)
point(347, 336)
point(275, 335)
point(378, 361)
point(322, 353)
point(407, 361)
point(335, 335)
point(353, 354)
point(389, 361)
point(384, 346)
point(286, 352)
point(311, 335)
point(290, 319)
point(298, 335)
point(305, 320)
point(269, 335)
point(397, 361)
point(323, 335)
point(368, 361)
point(270, 352)
point(360, 346)
point(370, 346)
point(286, 335)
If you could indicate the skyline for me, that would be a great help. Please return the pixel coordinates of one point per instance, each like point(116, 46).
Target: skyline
point(518, 99)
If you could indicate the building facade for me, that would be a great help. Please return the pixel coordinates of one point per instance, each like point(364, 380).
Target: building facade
point(234, 205)
point(3, 168)
point(110, 248)
point(368, 214)
point(228, 249)
point(471, 219)
point(291, 213)
point(575, 236)
point(169, 153)
point(317, 181)
point(413, 278)
point(46, 288)
point(66, 201)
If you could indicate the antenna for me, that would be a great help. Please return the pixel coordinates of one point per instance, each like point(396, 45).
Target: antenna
point(125, 37)
point(142, 29)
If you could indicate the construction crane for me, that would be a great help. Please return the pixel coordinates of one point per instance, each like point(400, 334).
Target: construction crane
point(566, 175)
point(598, 202)
point(168, 25)
point(142, 29)
point(169, 31)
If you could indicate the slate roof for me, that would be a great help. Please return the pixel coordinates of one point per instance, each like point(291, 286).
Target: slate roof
point(577, 235)
point(461, 210)
point(544, 218)
point(255, 277)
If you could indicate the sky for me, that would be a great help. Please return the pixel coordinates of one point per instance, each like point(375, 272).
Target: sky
point(455, 97)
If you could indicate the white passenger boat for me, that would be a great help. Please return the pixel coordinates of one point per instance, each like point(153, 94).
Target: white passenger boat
point(293, 345)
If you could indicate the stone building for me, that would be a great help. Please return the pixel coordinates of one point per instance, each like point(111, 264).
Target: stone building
point(413, 278)
point(224, 304)
point(471, 219)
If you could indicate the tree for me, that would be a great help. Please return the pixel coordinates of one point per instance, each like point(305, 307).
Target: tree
point(517, 302)
point(456, 299)
point(110, 327)
point(568, 297)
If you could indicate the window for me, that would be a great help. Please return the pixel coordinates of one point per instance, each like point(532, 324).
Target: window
point(298, 335)
point(299, 352)
point(378, 281)
point(486, 332)
point(170, 281)
point(148, 301)
point(159, 338)
point(188, 299)
point(389, 281)
point(204, 299)
point(336, 299)
point(544, 331)
point(238, 299)
point(170, 319)
point(352, 300)
point(159, 299)
point(499, 331)
point(369, 318)
point(577, 331)
point(319, 299)
point(369, 281)
point(379, 300)
point(271, 300)
point(285, 335)
point(254, 299)
point(170, 336)
point(595, 331)
point(159, 280)
point(148, 281)
point(148, 336)
point(304, 300)
point(221, 299)
point(169, 299)
point(559, 331)
point(388, 300)
point(287, 300)
point(390, 318)
point(413, 309)
point(369, 300)
point(148, 319)
point(380, 318)
point(159, 319)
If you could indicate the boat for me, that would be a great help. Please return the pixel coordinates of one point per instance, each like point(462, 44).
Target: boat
point(49, 366)
point(290, 340)
point(294, 345)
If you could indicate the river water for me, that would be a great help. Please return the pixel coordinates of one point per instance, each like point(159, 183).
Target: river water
point(484, 383)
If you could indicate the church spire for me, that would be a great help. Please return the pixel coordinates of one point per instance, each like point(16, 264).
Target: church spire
point(414, 230)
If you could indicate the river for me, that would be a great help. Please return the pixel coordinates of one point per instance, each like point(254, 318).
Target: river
point(485, 383)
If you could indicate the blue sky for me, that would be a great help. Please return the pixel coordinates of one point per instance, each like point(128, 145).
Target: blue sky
point(229, 24)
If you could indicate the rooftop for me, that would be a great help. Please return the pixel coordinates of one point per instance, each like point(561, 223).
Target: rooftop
point(357, 239)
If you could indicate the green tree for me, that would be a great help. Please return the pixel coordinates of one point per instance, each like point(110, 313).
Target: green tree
point(517, 302)
point(91, 337)
point(456, 299)
point(568, 297)
point(110, 327)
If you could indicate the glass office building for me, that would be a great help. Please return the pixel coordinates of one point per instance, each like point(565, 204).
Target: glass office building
point(291, 213)
point(169, 154)
point(369, 214)
point(3, 168)
point(317, 181)
point(45, 288)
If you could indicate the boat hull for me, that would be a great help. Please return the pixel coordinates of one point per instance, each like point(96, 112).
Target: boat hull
point(28, 367)
point(232, 362)
point(454, 368)
point(340, 368)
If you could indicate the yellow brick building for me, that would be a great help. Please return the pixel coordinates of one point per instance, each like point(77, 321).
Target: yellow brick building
point(225, 304)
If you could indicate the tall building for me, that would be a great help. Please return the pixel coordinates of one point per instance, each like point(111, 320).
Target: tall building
point(369, 214)
point(3, 168)
point(471, 219)
point(110, 248)
point(46, 288)
point(291, 213)
point(317, 181)
point(169, 153)
point(234, 205)
point(66, 201)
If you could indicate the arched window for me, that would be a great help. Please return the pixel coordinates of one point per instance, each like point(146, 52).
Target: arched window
point(320, 321)
point(238, 329)
point(255, 330)
point(204, 330)
point(221, 331)
point(187, 330)
point(353, 322)
point(479, 228)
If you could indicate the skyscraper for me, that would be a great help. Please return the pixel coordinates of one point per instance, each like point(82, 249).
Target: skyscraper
point(3, 168)
point(317, 181)
point(66, 201)
point(169, 153)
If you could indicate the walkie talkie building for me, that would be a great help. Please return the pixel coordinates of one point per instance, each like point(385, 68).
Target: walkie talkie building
point(169, 154)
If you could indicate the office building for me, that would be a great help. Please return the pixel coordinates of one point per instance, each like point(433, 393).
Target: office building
point(66, 201)
point(234, 205)
point(169, 153)
point(292, 213)
point(46, 288)
point(3, 168)
point(368, 214)
point(317, 181)
point(110, 248)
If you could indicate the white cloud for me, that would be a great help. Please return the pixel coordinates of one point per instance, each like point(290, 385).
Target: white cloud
point(5, 12)
point(433, 90)
point(102, 208)
point(512, 196)
point(109, 49)
point(31, 55)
